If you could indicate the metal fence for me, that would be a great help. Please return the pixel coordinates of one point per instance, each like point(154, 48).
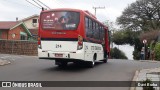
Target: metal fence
point(18, 47)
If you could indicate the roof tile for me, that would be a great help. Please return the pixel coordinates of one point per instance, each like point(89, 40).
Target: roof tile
point(7, 24)
point(34, 31)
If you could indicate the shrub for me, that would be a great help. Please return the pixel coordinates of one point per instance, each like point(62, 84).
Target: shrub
point(157, 51)
point(117, 54)
point(136, 54)
point(147, 81)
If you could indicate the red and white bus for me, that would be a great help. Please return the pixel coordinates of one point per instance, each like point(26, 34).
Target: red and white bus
point(72, 35)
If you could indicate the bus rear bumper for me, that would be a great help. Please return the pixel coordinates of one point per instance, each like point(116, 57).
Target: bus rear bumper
point(78, 55)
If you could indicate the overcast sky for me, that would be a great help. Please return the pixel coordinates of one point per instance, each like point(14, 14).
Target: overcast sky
point(10, 9)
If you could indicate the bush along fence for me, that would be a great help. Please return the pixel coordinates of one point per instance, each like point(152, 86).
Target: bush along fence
point(18, 47)
point(157, 51)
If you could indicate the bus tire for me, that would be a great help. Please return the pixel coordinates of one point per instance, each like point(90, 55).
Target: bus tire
point(105, 60)
point(91, 64)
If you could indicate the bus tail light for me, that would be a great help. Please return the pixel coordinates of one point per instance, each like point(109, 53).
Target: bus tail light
point(39, 42)
point(80, 43)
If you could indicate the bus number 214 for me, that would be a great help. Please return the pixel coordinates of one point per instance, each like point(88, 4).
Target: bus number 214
point(58, 46)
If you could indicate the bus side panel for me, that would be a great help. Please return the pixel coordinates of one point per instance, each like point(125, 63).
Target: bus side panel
point(107, 44)
point(81, 28)
point(91, 49)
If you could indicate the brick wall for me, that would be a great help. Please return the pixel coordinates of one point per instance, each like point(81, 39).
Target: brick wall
point(4, 34)
point(18, 47)
point(7, 34)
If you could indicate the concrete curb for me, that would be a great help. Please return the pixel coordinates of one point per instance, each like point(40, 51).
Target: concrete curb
point(134, 79)
point(4, 62)
point(148, 61)
point(138, 72)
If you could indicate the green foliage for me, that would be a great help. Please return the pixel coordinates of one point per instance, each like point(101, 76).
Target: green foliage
point(136, 19)
point(136, 55)
point(117, 54)
point(147, 81)
point(157, 51)
point(128, 37)
point(120, 37)
point(141, 15)
point(152, 45)
point(125, 37)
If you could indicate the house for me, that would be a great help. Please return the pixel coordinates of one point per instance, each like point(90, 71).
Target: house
point(25, 29)
point(11, 30)
point(32, 24)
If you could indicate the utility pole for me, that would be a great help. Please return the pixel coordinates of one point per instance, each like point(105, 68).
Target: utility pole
point(95, 8)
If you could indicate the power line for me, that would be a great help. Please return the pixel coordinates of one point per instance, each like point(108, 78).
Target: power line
point(34, 4)
point(43, 4)
point(37, 3)
point(13, 2)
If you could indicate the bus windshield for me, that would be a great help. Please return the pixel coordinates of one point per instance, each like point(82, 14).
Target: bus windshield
point(60, 20)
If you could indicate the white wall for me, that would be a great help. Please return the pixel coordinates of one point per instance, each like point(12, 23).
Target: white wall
point(29, 23)
point(127, 49)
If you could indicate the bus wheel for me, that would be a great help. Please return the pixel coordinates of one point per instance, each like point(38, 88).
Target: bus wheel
point(92, 63)
point(105, 59)
point(62, 64)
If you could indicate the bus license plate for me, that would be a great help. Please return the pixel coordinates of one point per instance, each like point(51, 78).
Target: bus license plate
point(58, 55)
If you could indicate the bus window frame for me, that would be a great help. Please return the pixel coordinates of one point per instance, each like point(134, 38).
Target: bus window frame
point(41, 21)
point(101, 29)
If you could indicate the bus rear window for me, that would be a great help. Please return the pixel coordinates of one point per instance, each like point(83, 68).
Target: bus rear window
point(60, 20)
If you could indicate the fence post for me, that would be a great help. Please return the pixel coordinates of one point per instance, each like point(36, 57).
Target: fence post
point(12, 46)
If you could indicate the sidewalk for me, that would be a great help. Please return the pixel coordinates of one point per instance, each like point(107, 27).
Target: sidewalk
point(141, 75)
point(4, 62)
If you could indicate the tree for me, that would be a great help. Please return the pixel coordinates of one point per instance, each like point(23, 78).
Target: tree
point(139, 18)
point(141, 15)
point(157, 51)
point(125, 37)
point(149, 35)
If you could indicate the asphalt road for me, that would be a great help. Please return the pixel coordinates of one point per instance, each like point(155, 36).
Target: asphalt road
point(25, 68)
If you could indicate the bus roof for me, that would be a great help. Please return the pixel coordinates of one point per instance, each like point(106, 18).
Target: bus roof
point(63, 9)
point(70, 9)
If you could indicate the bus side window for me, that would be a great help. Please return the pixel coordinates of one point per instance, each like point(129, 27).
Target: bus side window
point(87, 26)
point(97, 30)
point(101, 33)
point(90, 28)
point(94, 30)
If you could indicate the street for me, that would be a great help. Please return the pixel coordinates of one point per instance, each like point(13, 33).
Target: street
point(30, 68)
